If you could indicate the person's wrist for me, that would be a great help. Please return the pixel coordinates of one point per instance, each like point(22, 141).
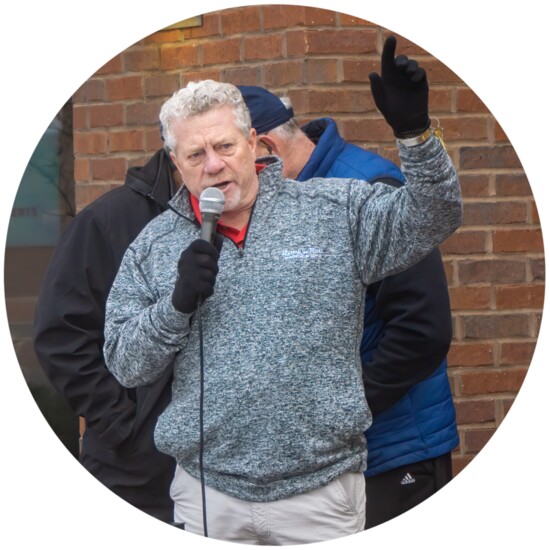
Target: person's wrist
point(413, 140)
point(419, 129)
point(417, 139)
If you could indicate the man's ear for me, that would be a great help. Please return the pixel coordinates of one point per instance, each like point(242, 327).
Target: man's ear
point(269, 143)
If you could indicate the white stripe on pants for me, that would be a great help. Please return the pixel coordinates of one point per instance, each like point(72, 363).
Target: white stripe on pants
point(327, 513)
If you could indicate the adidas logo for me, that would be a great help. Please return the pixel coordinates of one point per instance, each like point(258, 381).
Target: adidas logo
point(408, 479)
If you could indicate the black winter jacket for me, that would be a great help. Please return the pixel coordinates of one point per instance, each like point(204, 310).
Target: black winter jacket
point(117, 446)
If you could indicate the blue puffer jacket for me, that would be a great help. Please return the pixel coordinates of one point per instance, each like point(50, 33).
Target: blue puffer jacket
point(407, 330)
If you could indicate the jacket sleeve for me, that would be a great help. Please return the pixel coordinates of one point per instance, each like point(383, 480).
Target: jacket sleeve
point(68, 330)
point(135, 313)
point(392, 229)
point(415, 311)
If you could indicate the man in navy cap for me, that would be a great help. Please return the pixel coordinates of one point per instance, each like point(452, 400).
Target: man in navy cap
point(407, 329)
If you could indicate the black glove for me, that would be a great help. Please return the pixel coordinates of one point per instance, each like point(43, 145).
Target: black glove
point(401, 93)
point(197, 270)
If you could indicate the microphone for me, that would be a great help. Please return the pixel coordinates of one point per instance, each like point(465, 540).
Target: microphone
point(211, 203)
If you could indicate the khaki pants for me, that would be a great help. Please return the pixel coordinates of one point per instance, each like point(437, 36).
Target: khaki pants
point(326, 513)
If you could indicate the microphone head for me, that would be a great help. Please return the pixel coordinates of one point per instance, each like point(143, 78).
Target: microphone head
point(212, 201)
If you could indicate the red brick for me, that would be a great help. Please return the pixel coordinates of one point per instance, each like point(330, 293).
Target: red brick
point(474, 185)
point(80, 118)
point(246, 75)
point(468, 101)
point(506, 406)
point(537, 269)
point(81, 169)
point(484, 271)
point(126, 87)
point(476, 439)
point(465, 242)
point(470, 355)
point(163, 36)
point(113, 66)
point(282, 16)
point(263, 47)
point(346, 41)
point(520, 296)
point(518, 240)
point(226, 51)
point(92, 90)
point(347, 20)
point(143, 59)
point(282, 73)
point(106, 115)
point(358, 69)
point(153, 141)
point(108, 169)
point(296, 43)
point(464, 128)
point(90, 143)
point(475, 411)
point(161, 85)
point(496, 326)
point(474, 297)
point(516, 353)
point(494, 381)
point(85, 194)
point(368, 130)
point(495, 213)
point(179, 56)
point(500, 134)
point(140, 113)
point(319, 17)
point(341, 101)
point(201, 74)
point(320, 71)
point(126, 140)
point(440, 101)
point(243, 20)
point(210, 27)
point(450, 271)
point(510, 185)
point(500, 156)
point(534, 217)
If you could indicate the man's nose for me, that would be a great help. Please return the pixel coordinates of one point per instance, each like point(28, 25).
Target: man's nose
point(214, 163)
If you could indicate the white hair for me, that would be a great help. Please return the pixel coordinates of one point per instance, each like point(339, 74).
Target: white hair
point(200, 97)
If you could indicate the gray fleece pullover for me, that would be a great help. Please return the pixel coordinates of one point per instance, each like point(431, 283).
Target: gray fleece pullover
point(284, 405)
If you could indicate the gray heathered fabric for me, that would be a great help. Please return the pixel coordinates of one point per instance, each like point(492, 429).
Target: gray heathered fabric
point(284, 405)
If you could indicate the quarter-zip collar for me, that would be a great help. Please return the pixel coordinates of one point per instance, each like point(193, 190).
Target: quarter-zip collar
point(269, 172)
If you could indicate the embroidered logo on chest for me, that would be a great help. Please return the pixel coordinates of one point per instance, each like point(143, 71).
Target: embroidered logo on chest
point(302, 253)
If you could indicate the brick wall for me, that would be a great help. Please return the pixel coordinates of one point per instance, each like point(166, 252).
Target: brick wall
point(321, 59)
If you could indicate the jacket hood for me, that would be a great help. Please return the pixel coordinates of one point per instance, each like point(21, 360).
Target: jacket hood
point(154, 180)
point(328, 146)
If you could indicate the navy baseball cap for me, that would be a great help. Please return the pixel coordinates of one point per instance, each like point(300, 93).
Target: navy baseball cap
point(266, 109)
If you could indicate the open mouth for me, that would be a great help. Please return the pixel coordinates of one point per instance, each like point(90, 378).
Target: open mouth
point(222, 185)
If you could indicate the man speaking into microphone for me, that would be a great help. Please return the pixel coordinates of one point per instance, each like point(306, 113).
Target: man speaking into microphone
point(268, 411)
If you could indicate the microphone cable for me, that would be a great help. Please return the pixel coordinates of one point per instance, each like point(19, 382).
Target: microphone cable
point(201, 422)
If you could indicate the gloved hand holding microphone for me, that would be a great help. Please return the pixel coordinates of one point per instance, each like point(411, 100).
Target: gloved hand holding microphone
point(198, 263)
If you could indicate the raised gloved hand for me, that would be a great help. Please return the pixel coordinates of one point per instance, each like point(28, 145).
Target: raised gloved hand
point(197, 270)
point(401, 92)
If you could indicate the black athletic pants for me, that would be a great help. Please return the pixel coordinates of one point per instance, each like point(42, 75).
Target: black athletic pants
point(391, 493)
